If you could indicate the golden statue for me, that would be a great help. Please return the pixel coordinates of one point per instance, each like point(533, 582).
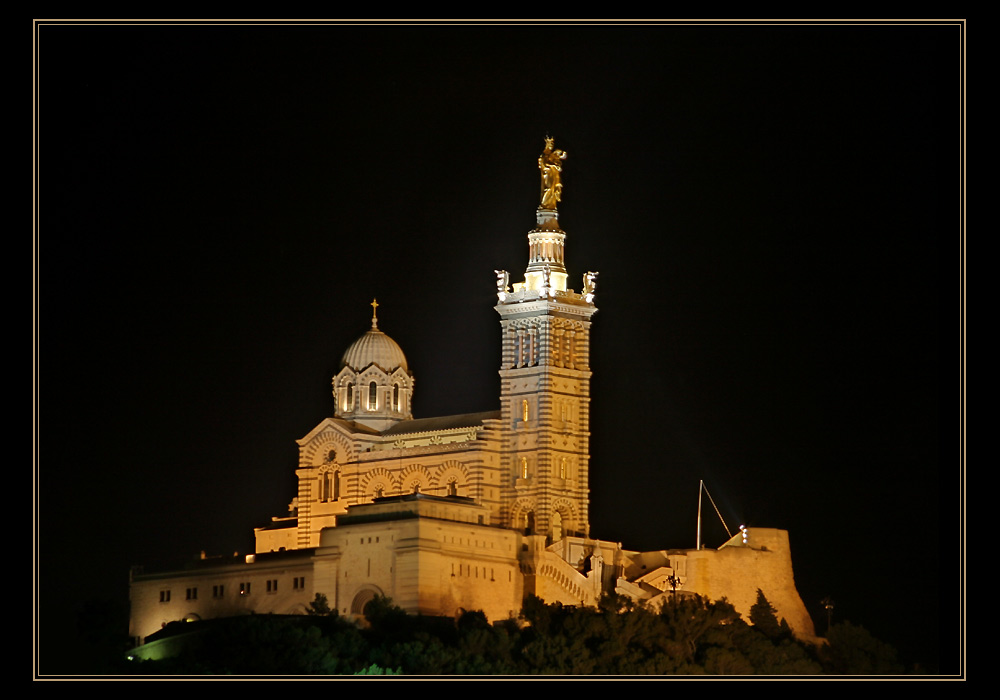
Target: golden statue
point(550, 163)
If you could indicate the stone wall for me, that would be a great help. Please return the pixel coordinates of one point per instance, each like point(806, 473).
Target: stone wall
point(425, 565)
point(736, 571)
point(224, 587)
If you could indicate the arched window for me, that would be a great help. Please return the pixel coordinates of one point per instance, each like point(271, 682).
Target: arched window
point(349, 401)
point(452, 488)
point(524, 467)
point(524, 410)
point(395, 397)
point(562, 468)
point(330, 486)
point(372, 396)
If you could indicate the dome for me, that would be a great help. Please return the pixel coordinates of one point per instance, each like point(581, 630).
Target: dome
point(374, 347)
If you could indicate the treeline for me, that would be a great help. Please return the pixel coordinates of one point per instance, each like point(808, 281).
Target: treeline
point(688, 635)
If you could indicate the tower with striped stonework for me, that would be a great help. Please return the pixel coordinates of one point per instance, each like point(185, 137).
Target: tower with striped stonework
point(545, 379)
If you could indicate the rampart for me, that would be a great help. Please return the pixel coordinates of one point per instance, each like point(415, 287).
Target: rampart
point(736, 570)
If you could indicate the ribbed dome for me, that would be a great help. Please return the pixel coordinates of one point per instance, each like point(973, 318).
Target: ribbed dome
point(374, 346)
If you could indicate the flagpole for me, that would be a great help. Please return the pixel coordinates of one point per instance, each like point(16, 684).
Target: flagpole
point(701, 487)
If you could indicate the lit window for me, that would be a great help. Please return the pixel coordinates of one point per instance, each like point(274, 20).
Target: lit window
point(524, 410)
point(562, 468)
point(524, 467)
point(372, 396)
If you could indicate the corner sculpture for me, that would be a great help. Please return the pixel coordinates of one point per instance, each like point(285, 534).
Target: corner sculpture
point(503, 283)
point(550, 163)
point(589, 285)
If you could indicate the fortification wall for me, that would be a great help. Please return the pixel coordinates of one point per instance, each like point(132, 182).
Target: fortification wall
point(736, 571)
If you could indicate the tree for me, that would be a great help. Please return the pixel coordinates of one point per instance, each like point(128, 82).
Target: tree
point(376, 670)
point(763, 617)
point(471, 620)
point(851, 649)
point(689, 619)
point(320, 606)
point(383, 615)
point(252, 645)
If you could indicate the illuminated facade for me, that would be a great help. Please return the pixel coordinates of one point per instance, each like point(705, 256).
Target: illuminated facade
point(471, 511)
point(526, 463)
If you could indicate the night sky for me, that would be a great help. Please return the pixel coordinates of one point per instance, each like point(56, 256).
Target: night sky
point(775, 213)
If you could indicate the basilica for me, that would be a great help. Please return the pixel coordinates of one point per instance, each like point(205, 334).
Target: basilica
point(463, 512)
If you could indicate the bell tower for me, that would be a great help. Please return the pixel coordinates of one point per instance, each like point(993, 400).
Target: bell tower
point(545, 378)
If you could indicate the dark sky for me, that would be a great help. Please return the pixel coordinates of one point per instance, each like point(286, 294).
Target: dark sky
point(775, 213)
